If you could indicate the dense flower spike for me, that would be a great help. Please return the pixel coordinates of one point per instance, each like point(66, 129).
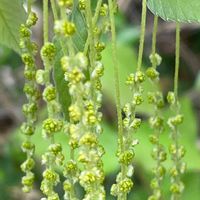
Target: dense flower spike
point(29, 109)
point(74, 69)
point(65, 29)
point(84, 127)
point(156, 121)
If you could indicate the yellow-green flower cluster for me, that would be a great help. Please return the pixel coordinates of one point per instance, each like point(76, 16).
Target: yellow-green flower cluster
point(176, 150)
point(131, 124)
point(50, 177)
point(157, 124)
point(82, 4)
point(84, 118)
point(84, 124)
point(74, 68)
point(29, 50)
point(90, 151)
point(66, 3)
point(71, 173)
point(123, 186)
point(64, 28)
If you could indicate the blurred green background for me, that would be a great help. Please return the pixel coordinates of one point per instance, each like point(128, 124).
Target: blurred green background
point(128, 21)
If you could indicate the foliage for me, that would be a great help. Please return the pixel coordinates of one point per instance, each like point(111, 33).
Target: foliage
point(180, 10)
point(12, 15)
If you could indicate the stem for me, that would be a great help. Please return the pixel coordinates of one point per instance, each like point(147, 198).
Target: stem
point(117, 89)
point(142, 35)
point(46, 39)
point(116, 73)
point(177, 60)
point(155, 28)
point(29, 5)
point(90, 33)
point(54, 9)
point(176, 76)
point(92, 50)
point(97, 10)
point(94, 21)
point(45, 21)
point(63, 13)
point(70, 47)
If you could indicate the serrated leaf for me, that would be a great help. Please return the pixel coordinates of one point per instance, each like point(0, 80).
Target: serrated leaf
point(176, 10)
point(12, 14)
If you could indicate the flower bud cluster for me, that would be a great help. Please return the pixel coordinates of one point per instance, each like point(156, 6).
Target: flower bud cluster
point(71, 173)
point(66, 3)
point(156, 122)
point(64, 28)
point(82, 5)
point(152, 72)
point(50, 179)
point(176, 150)
point(50, 176)
point(29, 50)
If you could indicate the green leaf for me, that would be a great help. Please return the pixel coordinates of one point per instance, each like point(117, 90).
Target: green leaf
point(176, 10)
point(12, 14)
point(58, 75)
point(80, 36)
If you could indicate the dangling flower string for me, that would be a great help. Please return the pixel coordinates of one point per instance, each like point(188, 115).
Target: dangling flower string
point(90, 151)
point(176, 150)
point(130, 123)
point(29, 50)
point(84, 118)
point(52, 124)
point(72, 66)
point(116, 190)
point(156, 121)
